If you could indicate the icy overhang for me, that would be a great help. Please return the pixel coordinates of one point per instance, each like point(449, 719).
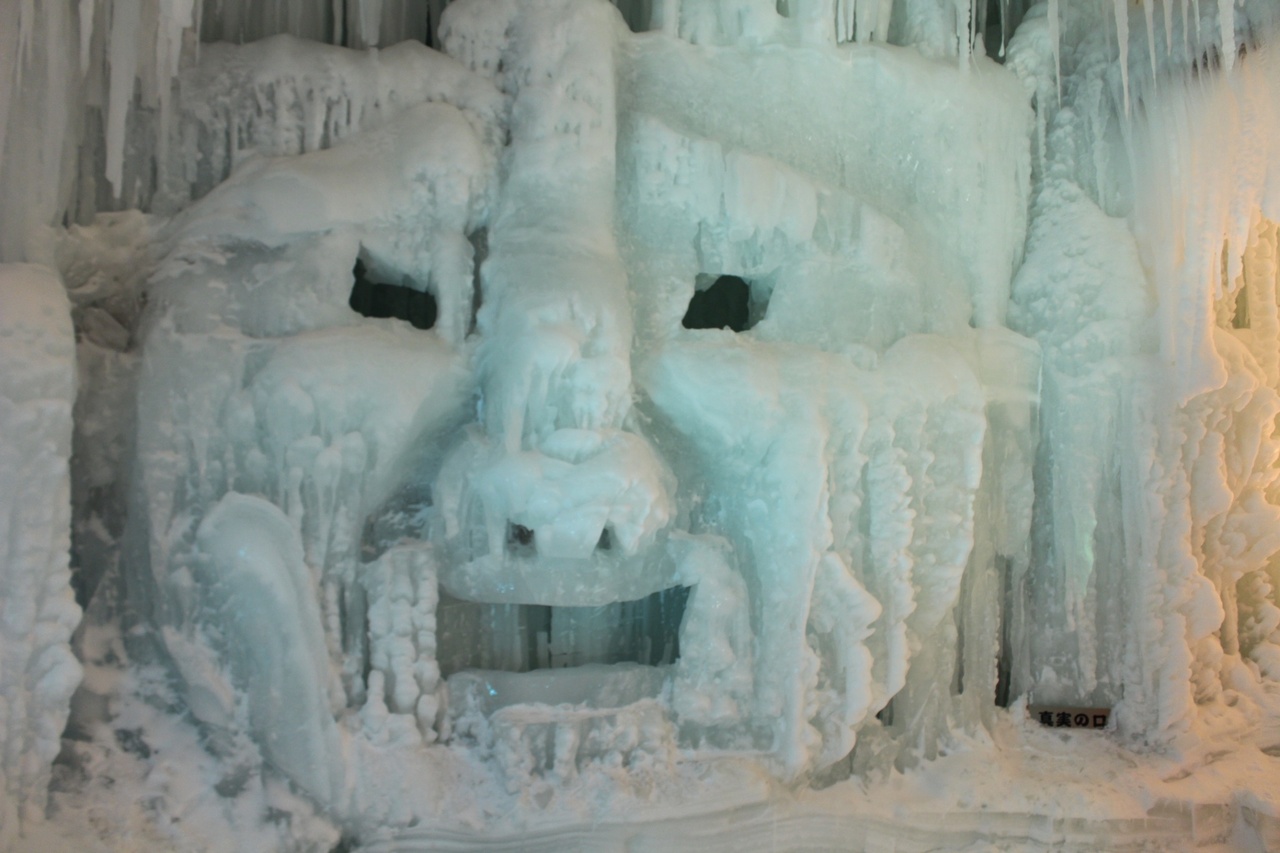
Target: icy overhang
point(945, 155)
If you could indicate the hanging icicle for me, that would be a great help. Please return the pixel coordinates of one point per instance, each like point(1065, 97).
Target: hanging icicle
point(1227, 30)
point(1122, 41)
point(1055, 37)
point(122, 57)
point(86, 34)
point(1149, 15)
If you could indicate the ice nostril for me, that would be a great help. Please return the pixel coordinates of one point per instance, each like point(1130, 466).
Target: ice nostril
point(520, 540)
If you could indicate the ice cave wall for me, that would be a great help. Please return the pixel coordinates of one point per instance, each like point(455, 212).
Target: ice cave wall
point(1004, 428)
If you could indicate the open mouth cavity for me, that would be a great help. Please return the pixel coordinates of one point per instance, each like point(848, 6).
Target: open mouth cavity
point(520, 638)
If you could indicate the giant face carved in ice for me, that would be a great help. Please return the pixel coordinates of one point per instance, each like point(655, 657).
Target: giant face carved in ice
point(560, 528)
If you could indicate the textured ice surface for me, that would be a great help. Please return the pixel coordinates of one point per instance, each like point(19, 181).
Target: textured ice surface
point(990, 424)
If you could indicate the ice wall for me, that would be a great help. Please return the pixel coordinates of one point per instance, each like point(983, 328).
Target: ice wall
point(37, 668)
point(1155, 465)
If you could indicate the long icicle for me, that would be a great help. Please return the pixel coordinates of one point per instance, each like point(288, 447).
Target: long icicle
point(1122, 41)
point(122, 54)
point(1149, 14)
point(1055, 36)
point(86, 34)
point(1227, 29)
point(882, 20)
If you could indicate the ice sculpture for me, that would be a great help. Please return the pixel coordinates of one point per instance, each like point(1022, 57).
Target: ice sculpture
point(535, 537)
point(781, 393)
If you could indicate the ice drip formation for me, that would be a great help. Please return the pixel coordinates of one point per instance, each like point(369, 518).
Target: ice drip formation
point(428, 422)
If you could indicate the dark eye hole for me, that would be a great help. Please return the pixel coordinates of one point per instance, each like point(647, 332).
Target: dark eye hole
point(726, 304)
point(372, 298)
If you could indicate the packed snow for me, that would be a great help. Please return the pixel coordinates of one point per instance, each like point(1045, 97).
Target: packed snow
point(706, 424)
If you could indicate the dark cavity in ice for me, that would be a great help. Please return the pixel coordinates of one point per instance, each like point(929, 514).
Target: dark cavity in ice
point(725, 304)
point(526, 637)
point(520, 540)
point(371, 297)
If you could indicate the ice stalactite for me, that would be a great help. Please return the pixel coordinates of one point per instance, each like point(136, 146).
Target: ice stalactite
point(1055, 38)
point(1148, 14)
point(1227, 31)
point(122, 57)
point(1122, 39)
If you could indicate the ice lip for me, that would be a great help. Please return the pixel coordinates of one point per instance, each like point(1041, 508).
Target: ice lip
point(553, 723)
point(597, 686)
point(591, 582)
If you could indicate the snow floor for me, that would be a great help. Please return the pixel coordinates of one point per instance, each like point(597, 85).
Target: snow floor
point(1025, 787)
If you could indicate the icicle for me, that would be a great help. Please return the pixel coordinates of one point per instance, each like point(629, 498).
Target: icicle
point(1149, 13)
point(1186, 27)
point(369, 17)
point(1055, 37)
point(1227, 26)
point(122, 55)
point(976, 17)
point(1195, 10)
point(57, 75)
point(26, 25)
point(1004, 26)
point(86, 33)
point(1122, 40)
point(1167, 11)
point(964, 44)
point(862, 24)
point(8, 80)
point(175, 17)
point(882, 20)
